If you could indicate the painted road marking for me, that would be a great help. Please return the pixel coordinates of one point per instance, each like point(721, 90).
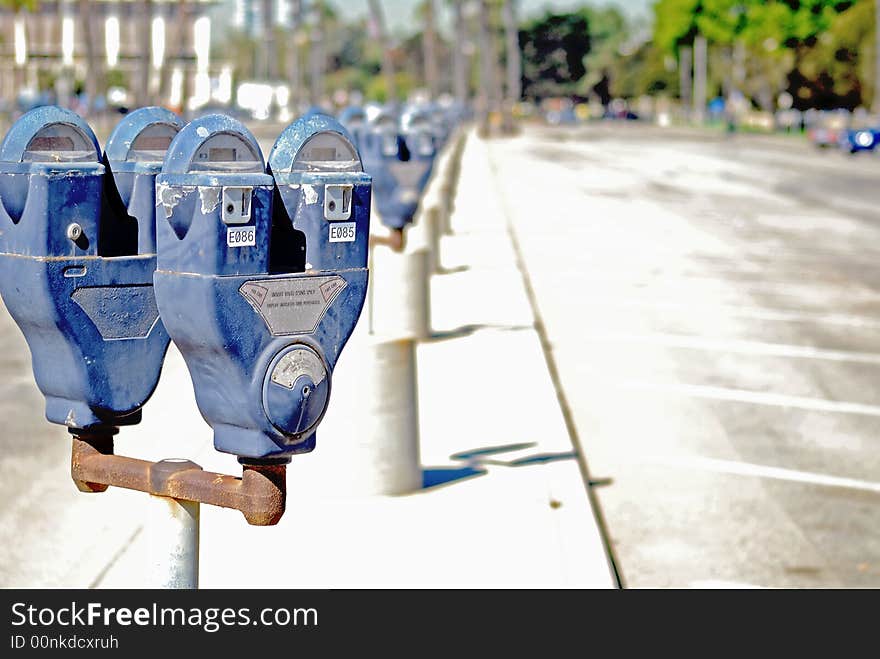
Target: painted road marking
point(738, 346)
point(756, 313)
point(752, 397)
point(763, 471)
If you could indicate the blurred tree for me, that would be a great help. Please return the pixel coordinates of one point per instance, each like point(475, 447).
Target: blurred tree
point(381, 34)
point(775, 38)
point(144, 47)
point(609, 32)
point(553, 50)
point(18, 5)
point(645, 70)
point(426, 13)
point(93, 63)
point(839, 70)
point(513, 62)
point(459, 57)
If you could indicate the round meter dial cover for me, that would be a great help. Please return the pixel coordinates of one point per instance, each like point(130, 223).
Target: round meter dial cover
point(296, 391)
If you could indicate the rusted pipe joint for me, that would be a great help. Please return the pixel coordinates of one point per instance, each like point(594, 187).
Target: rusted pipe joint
point(396, 240)
point(260, 493)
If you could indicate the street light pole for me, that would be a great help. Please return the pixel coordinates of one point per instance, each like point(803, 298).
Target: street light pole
point(487, 68)
point(295, 72)
point(270, 70)
point(685, 61)
point(700, 65)
point(317, 63)
point(514, 66)
point(145, 18)
point(459, 64)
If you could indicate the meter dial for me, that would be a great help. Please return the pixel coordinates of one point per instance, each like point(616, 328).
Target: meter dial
point(327, 152)
point(296, 391)
point(60, 143)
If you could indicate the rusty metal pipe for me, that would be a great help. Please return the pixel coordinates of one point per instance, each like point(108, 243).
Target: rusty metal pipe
point(259, 494)
point(396, 240)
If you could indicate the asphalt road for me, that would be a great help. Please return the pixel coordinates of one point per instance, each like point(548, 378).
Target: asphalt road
point(713, 305)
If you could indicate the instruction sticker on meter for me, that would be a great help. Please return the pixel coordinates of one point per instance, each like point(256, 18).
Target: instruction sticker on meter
point(241, 236)
point(342, 232)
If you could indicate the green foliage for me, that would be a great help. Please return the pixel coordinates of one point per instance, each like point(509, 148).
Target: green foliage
point(376, 89)
point(645, 71)
point(553, 50)
point(17, 5)
point(783, 23)
point(116, 78)
point(609, 33)
point(815, 48)
point(839, 70)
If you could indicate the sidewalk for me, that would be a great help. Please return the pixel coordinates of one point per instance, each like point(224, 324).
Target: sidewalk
point(503, 504)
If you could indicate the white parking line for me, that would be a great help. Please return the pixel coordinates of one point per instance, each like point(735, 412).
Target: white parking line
point(753, 397)
point(756, 313)
point(762, 471)
point(738, 346)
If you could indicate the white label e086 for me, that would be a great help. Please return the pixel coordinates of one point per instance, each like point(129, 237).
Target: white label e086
point(342, 232)
point(241, 236)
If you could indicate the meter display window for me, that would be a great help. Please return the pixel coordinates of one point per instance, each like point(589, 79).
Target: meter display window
point(424, 145)
point(389, 144)
point(152, 142)
point(60, 143)
point(226, 153)
point(327, 152)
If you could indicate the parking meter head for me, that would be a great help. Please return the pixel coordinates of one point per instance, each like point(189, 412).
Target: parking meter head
point(256, 296)
point(213, 198)
point(420, 135)
point(316, 109)
point(90, 320)
point(133, 156)
point(324, 192)
point(324, 196)
point(54, 144)
point(380, 147)
point(354, 116)
point(354, 119)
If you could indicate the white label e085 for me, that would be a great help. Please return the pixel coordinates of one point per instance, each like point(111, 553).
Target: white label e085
point(342, 232)
point(241, 236)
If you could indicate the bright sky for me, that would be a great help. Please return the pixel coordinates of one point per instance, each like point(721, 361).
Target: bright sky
point(399, 13)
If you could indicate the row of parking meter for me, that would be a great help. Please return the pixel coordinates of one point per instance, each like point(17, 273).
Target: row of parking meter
point(398, 151)
point(182, 232)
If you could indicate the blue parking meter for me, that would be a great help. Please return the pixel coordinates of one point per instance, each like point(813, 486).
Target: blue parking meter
point(134, 155)
point(380, 148)
point(419, 134)
point(85, 305)
point(354, 120)
point(260, 280)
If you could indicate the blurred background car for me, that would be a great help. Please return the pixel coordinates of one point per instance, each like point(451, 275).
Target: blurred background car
point(829, 129)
